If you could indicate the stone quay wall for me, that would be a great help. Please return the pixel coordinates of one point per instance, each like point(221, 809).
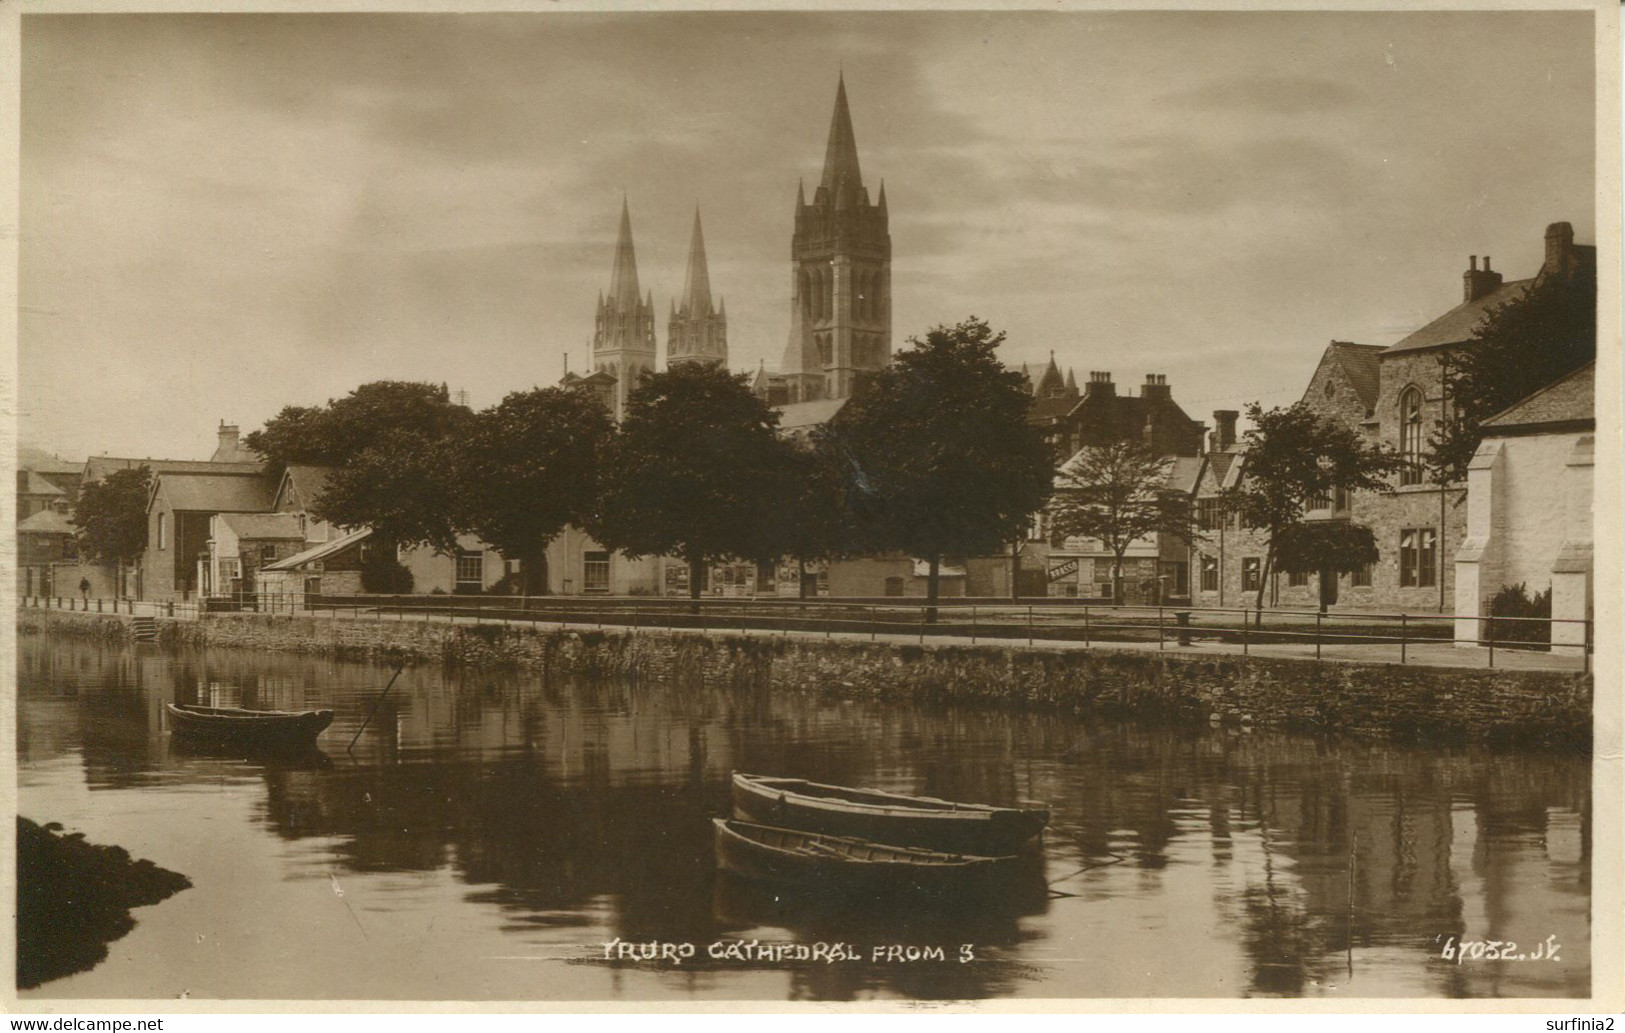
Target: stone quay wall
point(1389, 701)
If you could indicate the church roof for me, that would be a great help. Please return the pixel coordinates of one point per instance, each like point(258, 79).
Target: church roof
point(841, 154)
point(1359, 365)
point(623, 281)
point(800, 415)
point(1457, 325)
point(1571, 399)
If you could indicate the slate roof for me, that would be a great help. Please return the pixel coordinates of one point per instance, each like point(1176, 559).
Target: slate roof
point(216, 492)
point(1184, 474)
point(265, 525)
point(1458, 324)
point(1566, 400)
point(319, 552)
point(801, 415)
point(1359, 363)
point(47, 521)
point(32, 483)
point(97, 467)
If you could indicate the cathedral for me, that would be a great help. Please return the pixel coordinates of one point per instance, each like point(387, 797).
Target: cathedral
point(840, 295)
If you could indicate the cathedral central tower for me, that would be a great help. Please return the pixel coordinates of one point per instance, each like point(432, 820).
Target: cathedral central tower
point(840, 289)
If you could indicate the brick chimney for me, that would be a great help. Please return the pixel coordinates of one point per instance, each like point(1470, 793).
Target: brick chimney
point(1476, 282)
point(1156, 386)
point(1225, 435)
point(1559, 249)
point(226, 451)
point(1100, 385)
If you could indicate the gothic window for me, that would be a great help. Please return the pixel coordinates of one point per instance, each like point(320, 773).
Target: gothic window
point(805, 292)
point(1210, 573)
point(1410, 435)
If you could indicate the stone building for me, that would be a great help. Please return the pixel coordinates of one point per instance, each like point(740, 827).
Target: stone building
point(1395, 396)
point(1529, 520)
point(840, 279)
point(180, 512)
point(623, 340)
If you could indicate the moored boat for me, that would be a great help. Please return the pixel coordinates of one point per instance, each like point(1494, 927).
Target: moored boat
point(882, 817)
point(848, 867)
point(234, 725)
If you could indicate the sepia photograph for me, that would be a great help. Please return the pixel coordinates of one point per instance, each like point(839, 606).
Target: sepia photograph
point(774, 508)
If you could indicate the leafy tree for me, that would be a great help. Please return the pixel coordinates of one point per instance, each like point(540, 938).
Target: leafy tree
point(693, 470)
point(1325, 547)
point(1292, 456)
point(1521, 346)
point(808, 522)
point(392, 446)
point(111, 514)
point(1117, 494)
point(941, 459)
point(526, 468)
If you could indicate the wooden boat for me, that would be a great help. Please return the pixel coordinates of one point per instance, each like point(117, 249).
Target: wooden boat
point(881, 817)
point(267, 728)
point(846, 867)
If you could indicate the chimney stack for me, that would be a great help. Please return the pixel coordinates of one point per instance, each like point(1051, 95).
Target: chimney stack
point(1559, 249)
point(228, 436)
point(1476, 282)
point(1225, 421)
point(1156, 386)
point(1100, 385)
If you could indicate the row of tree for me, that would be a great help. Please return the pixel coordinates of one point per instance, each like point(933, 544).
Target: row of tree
point(933, 458)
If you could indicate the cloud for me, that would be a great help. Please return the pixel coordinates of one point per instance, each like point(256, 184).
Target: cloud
point(1267, 95)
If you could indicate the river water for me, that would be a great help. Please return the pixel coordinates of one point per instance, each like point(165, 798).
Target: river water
point(491, 831)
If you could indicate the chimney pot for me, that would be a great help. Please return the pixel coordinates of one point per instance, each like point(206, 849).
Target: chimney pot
point(1472, 263)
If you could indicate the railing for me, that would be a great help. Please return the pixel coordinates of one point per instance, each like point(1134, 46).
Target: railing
point(1427, 639)
point(1430, 639)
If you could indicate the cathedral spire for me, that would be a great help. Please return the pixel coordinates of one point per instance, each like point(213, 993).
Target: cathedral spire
point(697, 284)
point(623, 282)
point(841, 154)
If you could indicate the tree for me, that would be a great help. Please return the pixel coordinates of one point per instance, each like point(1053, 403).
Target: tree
point(940, 457)
point(1325, 547)
point(1292, 456)
point(528, 467)
point(808, 522)
point(392, 445)
point(111, 515)
point(1520, 347)
point(1117, 494)
point(692, 471)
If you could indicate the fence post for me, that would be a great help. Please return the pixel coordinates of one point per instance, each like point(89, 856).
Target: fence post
point(1159, 628)
point(1491, 629)
point(1086, 624)
point(1317, 637)
point(1404, 623)
point(1029, 625)
point(973, 624)
point(1244, 645)
point(1585, 648)
point(922, 625)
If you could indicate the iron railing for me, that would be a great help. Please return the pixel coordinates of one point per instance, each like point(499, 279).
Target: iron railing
point(1404, 638)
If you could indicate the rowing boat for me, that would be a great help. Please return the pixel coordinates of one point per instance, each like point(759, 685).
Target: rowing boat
point(847, 867)
point(882, 817)
point(271, 728)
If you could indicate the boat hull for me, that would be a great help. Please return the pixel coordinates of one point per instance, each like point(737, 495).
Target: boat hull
point(248, 728)
point(886, 818)
point(855, 871)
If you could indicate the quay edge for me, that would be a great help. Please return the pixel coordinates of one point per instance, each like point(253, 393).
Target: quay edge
point(1374, 701)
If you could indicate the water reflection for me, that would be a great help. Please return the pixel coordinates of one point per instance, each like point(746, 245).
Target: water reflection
point(570, 813)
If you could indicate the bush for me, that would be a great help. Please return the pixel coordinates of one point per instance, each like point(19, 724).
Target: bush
point(1515, 601)
point(382, 573)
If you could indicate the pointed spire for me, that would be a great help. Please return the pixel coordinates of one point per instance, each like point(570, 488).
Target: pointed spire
point(1071, 381)
point(801, 193)
point(841, 154)
point(882, 202)
point(623, 282)
point(697, 284)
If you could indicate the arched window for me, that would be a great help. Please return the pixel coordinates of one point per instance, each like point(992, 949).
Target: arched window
point(1410, 435)
point(161, 529)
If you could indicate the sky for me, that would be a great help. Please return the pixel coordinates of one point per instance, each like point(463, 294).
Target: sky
point(225, 214)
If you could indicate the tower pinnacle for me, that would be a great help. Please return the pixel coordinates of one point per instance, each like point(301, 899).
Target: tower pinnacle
point(841, 153)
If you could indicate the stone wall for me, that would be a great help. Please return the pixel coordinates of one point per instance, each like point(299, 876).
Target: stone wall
point(1364, 700)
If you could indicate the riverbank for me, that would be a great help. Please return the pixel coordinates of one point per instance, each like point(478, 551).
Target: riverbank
point(1374, 700)
point(74, 898)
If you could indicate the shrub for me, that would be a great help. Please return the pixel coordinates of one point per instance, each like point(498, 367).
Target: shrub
point(382, 573)
point(1515, 601)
